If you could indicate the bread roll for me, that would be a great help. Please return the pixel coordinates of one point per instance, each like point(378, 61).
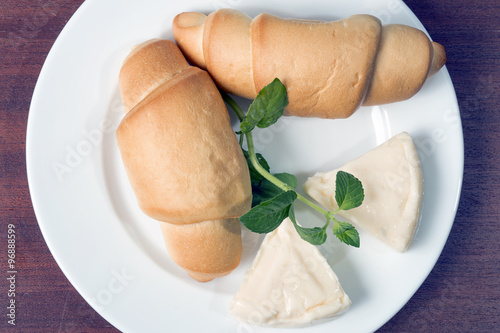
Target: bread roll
point(182, 158)
point(218, 242)
point(330, 69)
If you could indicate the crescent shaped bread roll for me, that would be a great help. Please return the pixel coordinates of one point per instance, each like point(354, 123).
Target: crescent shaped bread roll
point(330, 69)
point(218, 242)
point(182, 157)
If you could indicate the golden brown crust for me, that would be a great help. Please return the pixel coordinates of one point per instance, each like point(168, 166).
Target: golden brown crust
point(147, 67)
point(228, 53)
point(195, 170)
point(438, 58)
point(327, 66)
point(206, 250)
point(189, 27)
point(183, 159)
point(402, 65)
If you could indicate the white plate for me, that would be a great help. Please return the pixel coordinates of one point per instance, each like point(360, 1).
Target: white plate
point(114, 255)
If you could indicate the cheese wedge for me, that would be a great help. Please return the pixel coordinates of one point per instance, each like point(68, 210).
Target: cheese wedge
point(392, 182)
point(289, 284)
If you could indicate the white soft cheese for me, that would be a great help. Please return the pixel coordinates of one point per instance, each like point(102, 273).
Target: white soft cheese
point(392, 182)
point(289, 284)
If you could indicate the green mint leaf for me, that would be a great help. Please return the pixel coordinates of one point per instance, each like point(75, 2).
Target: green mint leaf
point(273, 203)
point(262, 189)
point(349, 191)
point(350, 237)
point(287, 178)
point(315, 236)
point(269, 214)
point(267, 107)
point(255, 177)
point(266, 190)
point(346, 233)
point(340, 227)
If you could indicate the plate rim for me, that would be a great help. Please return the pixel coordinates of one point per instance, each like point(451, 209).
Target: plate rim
point(30, 164)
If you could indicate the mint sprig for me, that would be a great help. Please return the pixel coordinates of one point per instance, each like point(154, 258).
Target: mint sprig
point(268, 215)
point(315, 236)
point(348, 192)
point(267, 107)
point(274, 195)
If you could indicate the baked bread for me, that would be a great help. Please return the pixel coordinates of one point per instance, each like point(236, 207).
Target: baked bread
point(330, 69)
point(182, 157)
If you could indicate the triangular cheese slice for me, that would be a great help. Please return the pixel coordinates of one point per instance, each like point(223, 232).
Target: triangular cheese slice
point(392, 182)
point(289, 284)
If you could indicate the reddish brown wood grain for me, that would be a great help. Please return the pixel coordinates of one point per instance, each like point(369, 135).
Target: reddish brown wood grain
point(462, 292)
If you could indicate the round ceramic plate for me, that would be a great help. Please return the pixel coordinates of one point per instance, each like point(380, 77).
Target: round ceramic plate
point(115, 256)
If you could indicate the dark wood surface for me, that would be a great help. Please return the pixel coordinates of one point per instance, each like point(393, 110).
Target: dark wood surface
point(462, 293)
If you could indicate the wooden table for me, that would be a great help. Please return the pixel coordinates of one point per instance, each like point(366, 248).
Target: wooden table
point(462, 293)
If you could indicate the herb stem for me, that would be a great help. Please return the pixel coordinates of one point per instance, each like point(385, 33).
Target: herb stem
point(251, 148)
point(272, 207)
point(241, 140)
point(276, 181)
point(232, 103)
point(253, 158)
point(313, 205)
point(260, 169)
